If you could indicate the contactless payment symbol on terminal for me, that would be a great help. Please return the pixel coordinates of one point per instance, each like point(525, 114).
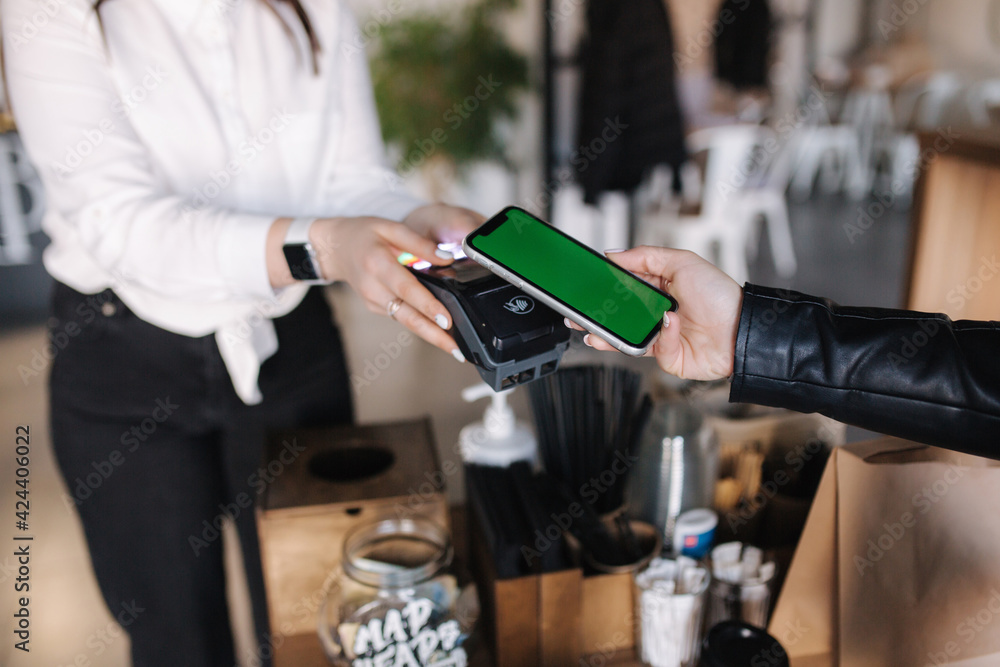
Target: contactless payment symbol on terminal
point(520, 305)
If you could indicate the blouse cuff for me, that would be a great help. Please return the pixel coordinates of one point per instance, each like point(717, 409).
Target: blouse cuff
point(243, 254)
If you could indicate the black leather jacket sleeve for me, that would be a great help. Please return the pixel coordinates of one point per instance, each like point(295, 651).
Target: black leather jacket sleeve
point(917, 376)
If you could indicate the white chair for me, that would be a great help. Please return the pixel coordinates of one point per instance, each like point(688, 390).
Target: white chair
point(833, 154)
point(17, 218)
point(922, 102)
point(764, 198)
point(983, 99)
point(868, 109)
point(904, 159)
point(570, 214)
point(734, 196)
point(846, 155)
point(828, 152)
point(600, 227)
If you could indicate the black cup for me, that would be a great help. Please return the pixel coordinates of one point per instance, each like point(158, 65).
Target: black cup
point(738, 644)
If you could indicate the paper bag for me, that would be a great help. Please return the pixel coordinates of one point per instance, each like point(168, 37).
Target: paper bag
point(899, 562)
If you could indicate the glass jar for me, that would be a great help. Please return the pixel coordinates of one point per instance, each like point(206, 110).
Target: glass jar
point(393, 602)
point(670, 603)
point(677, 467)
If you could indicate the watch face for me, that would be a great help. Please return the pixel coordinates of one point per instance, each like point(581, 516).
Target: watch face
point(299, 262)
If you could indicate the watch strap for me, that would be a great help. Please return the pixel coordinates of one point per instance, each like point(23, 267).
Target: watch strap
point(300, 254)
point(298, 231)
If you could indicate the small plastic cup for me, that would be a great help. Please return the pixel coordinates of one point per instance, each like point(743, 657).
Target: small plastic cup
point(694, 532)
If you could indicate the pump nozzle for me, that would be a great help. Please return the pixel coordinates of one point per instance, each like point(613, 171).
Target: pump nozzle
point(499, 439)
point(499, 417)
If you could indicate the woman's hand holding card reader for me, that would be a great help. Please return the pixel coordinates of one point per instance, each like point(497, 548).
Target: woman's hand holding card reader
point(509, 336)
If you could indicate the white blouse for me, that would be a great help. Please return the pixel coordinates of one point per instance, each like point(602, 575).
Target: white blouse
point(169, 146)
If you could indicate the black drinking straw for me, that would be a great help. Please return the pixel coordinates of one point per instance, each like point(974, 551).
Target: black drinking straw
point(586, 416)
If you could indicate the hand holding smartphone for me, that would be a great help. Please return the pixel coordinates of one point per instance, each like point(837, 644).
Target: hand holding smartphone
point(571, 278)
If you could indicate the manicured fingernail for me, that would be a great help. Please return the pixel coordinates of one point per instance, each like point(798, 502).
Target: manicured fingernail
point(608, 252)
point(569, 325)
point(457, 353)
point(586, 341)
point(666, 320)
point(441, 321)
point(443, 254)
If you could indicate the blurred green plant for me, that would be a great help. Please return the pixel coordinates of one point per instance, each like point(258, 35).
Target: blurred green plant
point(443, 81)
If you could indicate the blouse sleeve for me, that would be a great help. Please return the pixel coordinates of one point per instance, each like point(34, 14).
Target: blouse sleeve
point(98, 175)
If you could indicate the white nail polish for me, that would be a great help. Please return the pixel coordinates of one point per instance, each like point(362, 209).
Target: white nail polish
point(569, 325)
point(608, 252)
point(666, 320)
point(457, 353)
point(443, 254)
point(586, 341)
point(441, 321)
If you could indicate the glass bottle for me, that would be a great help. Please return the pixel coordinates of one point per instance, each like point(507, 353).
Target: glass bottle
point(394, 603)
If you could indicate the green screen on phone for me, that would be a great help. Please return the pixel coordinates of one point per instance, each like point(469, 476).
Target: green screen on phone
point(573, 274)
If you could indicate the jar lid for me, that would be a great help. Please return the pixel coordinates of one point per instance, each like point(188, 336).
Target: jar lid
point(738, 644)
point(396, 553)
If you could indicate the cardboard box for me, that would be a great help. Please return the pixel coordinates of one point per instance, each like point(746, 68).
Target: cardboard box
point(607, 622)
point(529, 620)
point(553, 619)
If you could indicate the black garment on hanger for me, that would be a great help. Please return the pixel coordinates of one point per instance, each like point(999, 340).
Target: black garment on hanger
point(630, 118)
point(743, 46)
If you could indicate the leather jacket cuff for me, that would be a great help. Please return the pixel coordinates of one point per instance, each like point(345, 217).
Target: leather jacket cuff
point(914, 375)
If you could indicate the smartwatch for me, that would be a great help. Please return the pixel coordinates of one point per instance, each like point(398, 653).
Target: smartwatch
point(299, 253)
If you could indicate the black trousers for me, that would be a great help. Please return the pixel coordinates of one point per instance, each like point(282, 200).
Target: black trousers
point(153, 441)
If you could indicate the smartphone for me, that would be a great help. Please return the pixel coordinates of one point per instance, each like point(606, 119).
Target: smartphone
point(571, 278)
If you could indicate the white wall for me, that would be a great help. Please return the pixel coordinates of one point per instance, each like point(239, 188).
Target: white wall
point(961, 35)
point(965, 34)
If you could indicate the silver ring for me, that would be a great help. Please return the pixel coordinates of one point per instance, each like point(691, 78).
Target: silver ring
point(392, 307)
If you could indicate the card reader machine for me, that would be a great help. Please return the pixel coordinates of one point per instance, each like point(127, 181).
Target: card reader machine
point(510, 338)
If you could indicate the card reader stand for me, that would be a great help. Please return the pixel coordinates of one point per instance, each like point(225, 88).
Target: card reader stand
point(510, 337)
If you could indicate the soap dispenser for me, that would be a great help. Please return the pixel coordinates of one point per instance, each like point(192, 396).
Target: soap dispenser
point(499, 440)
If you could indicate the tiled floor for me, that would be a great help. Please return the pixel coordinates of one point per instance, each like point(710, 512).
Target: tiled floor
point(69, 623)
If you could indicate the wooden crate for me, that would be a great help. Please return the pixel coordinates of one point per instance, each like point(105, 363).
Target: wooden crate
point(346, 476)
